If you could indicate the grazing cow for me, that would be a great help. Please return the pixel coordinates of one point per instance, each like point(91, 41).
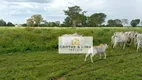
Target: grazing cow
point(96, 50)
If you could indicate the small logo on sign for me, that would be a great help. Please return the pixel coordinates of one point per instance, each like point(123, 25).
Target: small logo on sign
point(75, 42)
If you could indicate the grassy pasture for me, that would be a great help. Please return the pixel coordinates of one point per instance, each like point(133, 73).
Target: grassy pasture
point(44, 39)
point(31, 54)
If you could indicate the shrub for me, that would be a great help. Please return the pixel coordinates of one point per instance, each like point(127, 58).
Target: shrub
point(30, 39)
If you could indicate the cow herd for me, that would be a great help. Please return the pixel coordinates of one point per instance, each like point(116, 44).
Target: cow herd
point(118, 38)
point(126, 38)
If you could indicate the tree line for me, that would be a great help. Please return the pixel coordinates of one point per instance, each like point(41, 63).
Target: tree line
point(75, 16)
point(3, 23)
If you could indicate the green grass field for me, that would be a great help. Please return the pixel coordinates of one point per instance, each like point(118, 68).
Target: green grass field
point(31, 54)
point(119, 65)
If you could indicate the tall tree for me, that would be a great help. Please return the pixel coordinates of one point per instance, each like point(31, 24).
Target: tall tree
point(135, 22)
point(74, 15)
point(124, 22)
point(67, 22)
point(37, 18)
point(83, 20)
point(58, 23)
point(97, 19)
point(118, 21)
point(30, 22)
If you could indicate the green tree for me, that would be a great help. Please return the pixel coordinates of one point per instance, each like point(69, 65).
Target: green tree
point(74, 16)
point(37, 18)
point(52, 24)
point(10, 24)
point(2, 22)
point(135, 22)
point(124, 22)
point(30, 22)
point(91, 23)
point(24, 25)
point(97, 19)
point(114, 23)
point(111, 23)
point(83, 20)
point(58, 23)
point(67, 22)
point(44, 24)
point(118, 21)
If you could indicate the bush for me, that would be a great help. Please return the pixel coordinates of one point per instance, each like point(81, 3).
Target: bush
point(30, 39)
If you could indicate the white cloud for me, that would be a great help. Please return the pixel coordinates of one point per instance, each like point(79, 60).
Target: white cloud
point(58, 4)
point(23, 5)
point(52, 10)
point(31, 1)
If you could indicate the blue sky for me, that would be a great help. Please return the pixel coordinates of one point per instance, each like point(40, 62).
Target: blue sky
point(17, 11)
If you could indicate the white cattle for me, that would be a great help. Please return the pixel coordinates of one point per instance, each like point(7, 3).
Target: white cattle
point(96, 50)
point(135, 38)
point(139, 41)
point(113, 37)
point(131, 36)
point(120, 38)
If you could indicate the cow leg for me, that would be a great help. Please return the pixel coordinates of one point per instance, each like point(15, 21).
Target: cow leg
point(138, 47)
point(104, 55)
point(86, 56)
point(124, 45)
point(114, 44)
point(91, 56)
point(100, 55)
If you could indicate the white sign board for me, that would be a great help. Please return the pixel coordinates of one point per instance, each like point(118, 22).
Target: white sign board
point(74, 44)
